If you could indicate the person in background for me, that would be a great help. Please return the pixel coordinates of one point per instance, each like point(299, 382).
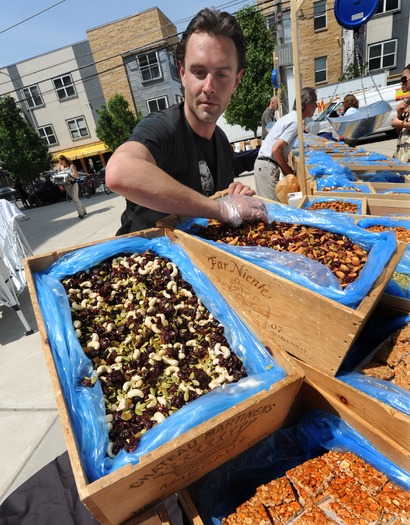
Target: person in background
point(269, 115)
point(71, 187)
point(272, 162)
point(401, 123)
point(20, 187)
point(175, 159)
point(350, 106)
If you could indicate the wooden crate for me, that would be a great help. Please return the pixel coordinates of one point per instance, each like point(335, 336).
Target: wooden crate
point(155, 516)
point(342, 193)
point(387, 199)
point(390, 186)
point(386, 419)
point(306, 324)
point(392, 205)
point(127, 492)
point(313, 397)
point(393, 301)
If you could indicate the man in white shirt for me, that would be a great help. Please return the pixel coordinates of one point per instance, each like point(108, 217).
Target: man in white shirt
point(274, 151)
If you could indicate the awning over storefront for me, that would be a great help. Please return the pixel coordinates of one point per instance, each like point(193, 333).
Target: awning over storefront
point(84, 151)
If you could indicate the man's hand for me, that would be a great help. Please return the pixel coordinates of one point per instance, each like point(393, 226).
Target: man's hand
point(397, 124)
point(237, 188)
point(234, 209)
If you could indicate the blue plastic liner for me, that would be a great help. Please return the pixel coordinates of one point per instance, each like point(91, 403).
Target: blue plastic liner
point(399, 191)
point(383, 221)
point(86, 405)
point(341, 183)
point(377, 330)
point(317, 432)
point(307, 272)
point(383, 176)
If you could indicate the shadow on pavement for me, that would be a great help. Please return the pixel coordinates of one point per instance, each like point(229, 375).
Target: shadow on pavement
point(51, 220)
point(10, 319)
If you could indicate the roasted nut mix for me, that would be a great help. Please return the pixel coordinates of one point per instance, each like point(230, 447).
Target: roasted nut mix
point(344, 258)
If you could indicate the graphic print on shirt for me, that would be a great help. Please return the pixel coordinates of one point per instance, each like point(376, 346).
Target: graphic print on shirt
point(207, 181)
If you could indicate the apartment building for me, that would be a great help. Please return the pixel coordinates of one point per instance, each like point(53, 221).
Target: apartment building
point(60, 92)
point(326, 49)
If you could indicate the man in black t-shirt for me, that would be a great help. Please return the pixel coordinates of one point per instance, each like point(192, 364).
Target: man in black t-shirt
point(176, 158)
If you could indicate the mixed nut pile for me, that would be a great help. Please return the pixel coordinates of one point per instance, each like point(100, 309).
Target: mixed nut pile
point(402, 234)
point(391, 361)
point(344, 258)
point(337, 488)
point(337, 206)
point(153, 344)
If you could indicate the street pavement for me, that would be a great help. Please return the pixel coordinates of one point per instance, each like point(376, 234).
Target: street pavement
point(30, 431)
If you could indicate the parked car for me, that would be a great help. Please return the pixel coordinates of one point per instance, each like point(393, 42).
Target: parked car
point(44, 191)
point(8, 193)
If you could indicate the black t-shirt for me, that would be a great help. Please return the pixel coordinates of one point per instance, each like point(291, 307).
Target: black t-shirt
point(205, 166)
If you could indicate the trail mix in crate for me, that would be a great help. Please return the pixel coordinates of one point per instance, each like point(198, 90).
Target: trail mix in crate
point(326, 253)
point(138, 334)
point(153, 344)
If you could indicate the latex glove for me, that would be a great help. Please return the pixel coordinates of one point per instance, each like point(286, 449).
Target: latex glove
point(235, 209)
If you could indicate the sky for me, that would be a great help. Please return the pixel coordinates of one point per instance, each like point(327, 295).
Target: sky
point(28, 28)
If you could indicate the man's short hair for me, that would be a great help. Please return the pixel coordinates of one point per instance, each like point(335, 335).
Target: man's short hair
point(307, 96)
point(217, 23)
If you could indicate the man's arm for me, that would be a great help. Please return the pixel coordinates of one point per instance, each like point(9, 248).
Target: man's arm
point(278, 156)
point(133, 173)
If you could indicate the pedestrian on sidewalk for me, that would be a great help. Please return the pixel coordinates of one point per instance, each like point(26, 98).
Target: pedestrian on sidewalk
point(68, 168)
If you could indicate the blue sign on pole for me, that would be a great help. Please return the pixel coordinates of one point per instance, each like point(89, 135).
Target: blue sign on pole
point(275, 78)
point(351, 15)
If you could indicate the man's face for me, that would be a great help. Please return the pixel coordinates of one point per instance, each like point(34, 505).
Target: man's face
point(209, 77)
point(311, 108)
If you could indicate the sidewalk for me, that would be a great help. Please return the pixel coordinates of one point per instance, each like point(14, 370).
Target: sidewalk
point(30, 430)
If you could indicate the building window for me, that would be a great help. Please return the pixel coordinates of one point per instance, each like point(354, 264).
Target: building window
point(386, 6)
point(149, 66)
point(287, 28)
point(157, 104)
point(32, 97)
point(382, 55)
point(77, 128)
point(319, 15)
point(173, 66)
point(47, 133)
point(179, 98)
point(320, 70)
point(64, 87)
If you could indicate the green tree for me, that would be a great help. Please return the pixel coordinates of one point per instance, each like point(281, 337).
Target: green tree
point(255, 89)
point(116, 123)
point(22, 151)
